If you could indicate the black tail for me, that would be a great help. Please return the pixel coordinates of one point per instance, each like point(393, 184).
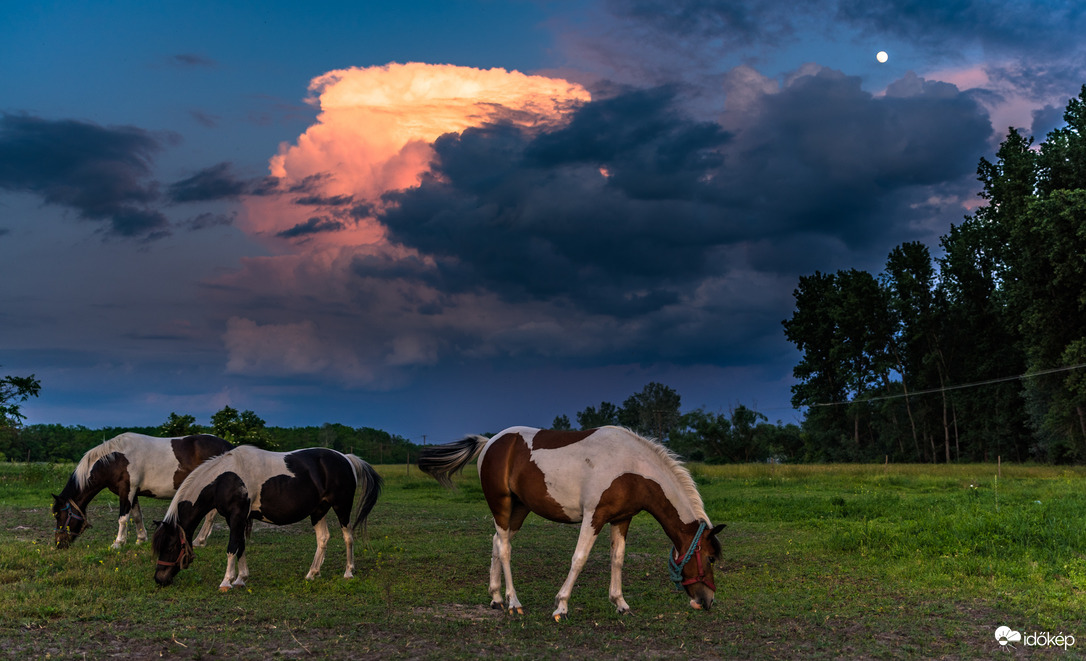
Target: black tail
point(443, 461)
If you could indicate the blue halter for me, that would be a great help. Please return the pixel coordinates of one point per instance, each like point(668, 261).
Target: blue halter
point(676, 568)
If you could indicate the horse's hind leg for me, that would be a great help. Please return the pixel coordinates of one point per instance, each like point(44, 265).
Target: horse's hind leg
point(503, 552)
point(135, 516)
point(348, 540)
point(321, 529)
point(122, 519)
point(205, 531)
point(618, 557)
point(500, 561)
point(580, 555)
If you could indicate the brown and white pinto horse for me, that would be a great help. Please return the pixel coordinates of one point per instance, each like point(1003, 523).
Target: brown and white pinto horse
point(592, 477)
point(131, 465)
point(248, 484)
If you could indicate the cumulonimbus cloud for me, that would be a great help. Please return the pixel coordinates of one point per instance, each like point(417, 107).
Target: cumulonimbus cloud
point(374, 135)
point(436, 210)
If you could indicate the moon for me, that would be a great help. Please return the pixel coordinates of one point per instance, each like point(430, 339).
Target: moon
point(881, 56)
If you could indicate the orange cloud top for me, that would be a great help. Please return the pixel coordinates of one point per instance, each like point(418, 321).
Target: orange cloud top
point(374, 134)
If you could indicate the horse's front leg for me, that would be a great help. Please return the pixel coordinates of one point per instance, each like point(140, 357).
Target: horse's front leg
point(243, 571)
point(321, 529)
point(205, 531)
point(235, 552)
point(618, 558)
point(580, 555)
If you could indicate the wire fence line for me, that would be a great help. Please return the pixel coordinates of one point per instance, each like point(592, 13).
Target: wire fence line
point(975, 384)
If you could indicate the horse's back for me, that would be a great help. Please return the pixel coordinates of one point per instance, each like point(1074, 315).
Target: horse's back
point(561, 474)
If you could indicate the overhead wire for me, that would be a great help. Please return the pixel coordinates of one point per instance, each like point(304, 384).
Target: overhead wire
point(1027, 375)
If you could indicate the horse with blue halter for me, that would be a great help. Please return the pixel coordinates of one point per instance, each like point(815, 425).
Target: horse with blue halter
point(131, 465)
point(592, 477)
point(249, 484)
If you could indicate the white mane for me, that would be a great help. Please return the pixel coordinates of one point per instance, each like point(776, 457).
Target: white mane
point(250, 463)
point(671, 461)
point(119, 443)
point(199, 478)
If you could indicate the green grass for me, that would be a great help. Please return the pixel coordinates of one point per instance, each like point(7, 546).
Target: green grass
point(843, 561)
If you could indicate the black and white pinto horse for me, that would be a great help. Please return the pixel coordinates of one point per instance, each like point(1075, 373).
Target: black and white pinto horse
point(131, 465)
point(593, 478)
point(248, 484)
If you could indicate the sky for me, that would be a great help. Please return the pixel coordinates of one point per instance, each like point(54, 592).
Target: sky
point(440, 218)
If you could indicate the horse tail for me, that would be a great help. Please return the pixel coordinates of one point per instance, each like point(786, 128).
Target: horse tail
point(369, 485)
point(443, 461)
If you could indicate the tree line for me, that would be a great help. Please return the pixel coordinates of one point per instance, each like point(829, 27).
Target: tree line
point(973, 354)
point(739, 435)
point(65, 443)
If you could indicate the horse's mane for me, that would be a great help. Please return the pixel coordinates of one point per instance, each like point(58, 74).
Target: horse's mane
point(118, 443)
point(671, 461)
point(198, 479)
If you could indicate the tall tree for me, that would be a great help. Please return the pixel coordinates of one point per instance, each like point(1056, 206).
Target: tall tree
point(653, 411)
point(14, 390)
point(178, 425)
point(592, 417)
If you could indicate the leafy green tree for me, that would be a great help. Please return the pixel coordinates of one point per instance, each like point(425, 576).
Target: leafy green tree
point(244, 428)
point(561, 422)
point(178, 425)
point(14, 390)
point(653, 411)
point(592, 417)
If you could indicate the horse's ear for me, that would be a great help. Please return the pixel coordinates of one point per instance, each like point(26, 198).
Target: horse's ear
point(717, 528)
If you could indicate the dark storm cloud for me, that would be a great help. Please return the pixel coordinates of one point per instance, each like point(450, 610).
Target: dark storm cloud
point(101, 172)
point(315, 225)
point(323, 200)
point(217, 182)
point(737, 23)
point(1033, 27)
point(632, 205)
point(207, 220)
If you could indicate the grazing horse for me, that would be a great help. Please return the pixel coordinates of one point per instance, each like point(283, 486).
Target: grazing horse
point(592, 477)
point(131, 465)
point(248, 484)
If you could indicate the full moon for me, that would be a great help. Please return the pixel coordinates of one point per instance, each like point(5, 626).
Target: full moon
point(882, 56)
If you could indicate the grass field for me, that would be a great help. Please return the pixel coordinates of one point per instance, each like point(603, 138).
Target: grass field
point(839, 561)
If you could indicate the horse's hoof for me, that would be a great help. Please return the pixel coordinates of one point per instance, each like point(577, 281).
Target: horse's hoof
point(624, 611)
point(516, 611)
point(497, 605)
point(224, 588)
point(559, 617)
